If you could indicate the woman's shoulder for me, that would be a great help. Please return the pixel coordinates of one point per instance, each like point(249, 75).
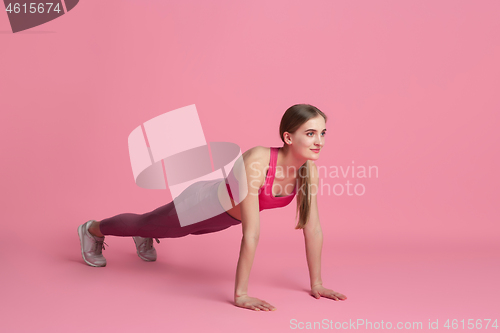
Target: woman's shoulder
point(257, 158)
point(257, 153)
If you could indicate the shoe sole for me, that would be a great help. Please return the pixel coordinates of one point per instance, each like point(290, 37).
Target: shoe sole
point(81, 232)
point(139, 255)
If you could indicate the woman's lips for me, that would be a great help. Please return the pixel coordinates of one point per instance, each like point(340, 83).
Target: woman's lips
point(315, 150)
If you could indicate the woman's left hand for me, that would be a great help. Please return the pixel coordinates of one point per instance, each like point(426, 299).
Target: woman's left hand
point(318, 291)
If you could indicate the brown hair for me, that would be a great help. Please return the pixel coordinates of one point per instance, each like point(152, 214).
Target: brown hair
point(293, 118)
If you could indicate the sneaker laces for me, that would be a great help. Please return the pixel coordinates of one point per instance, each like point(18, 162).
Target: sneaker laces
point(149, 243)
point(99, 246)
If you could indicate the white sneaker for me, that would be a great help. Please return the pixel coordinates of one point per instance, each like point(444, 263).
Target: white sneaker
point(91, 246)
point(145, 249)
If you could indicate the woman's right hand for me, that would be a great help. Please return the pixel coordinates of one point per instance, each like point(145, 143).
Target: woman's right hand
point(253, 303)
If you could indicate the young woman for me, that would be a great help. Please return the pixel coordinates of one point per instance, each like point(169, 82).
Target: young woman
point(274, 175)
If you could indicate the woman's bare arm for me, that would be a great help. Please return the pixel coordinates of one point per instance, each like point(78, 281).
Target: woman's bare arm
point(250, 220)
point(313, 236)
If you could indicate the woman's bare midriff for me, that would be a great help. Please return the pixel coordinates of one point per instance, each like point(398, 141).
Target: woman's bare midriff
point(235, 211)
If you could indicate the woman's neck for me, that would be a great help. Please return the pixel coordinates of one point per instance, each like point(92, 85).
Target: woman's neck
point(287, 163)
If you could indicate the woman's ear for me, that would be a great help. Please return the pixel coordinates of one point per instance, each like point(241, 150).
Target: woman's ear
point(287, 137)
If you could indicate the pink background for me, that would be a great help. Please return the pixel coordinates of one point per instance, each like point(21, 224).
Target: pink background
point(409, 86)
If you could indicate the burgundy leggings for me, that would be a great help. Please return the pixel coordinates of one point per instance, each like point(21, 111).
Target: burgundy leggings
point(163, 222)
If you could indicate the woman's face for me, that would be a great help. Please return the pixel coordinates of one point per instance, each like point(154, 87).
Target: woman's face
point(309, 139)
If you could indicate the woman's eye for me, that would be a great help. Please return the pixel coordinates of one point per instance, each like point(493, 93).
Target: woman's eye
point(309, 133)
point(323, 133)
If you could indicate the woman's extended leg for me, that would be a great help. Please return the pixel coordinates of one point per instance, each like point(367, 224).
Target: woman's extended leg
point(142, 227)
point(143, 245)
point(163, 222)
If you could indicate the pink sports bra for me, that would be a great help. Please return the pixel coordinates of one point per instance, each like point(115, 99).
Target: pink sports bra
point(266, 198)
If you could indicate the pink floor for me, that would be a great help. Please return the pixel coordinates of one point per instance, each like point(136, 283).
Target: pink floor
point(48, 288)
